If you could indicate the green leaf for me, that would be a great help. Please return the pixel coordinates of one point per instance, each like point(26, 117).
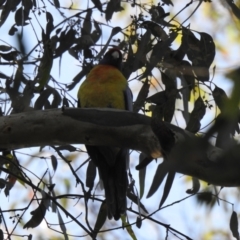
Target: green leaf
point(87, 24)
point(54, 162)
point(62, 225)
point(167, 187)
point(208, 49)
point(128, 227)
point(45, 67)
point(56, 3)
point(112, 6)
point(37, 215)
point(161, 172)
point(101, 218)
point(91, 174)
point(98, 5)
point(142, 95)
point(21, 16)
point(142, 175)
point(234, 225)
point(1, 234)
point(5, 48)
point(50, 25)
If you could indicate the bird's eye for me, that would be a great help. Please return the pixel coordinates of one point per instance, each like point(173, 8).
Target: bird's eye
point(115, 55)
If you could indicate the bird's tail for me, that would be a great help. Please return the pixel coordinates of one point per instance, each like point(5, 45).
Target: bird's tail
point(112, 167)
point(115, 185)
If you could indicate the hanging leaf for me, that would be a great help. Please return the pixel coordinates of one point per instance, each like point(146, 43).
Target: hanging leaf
point(54, 162)
point(167, 187)
point(98, 5)
point(101, 218)
point(142, 95)
point(234, 225)
point(7, 8)
point(37, 215)
point(5, 48)
point(169, 107)
point(208, 49)
point(21, 16)
point(2, 183)
point(138, 222)
point(12, 30)
point(91, 174)
point(45, 68)
point(11, 56)
point(1, 235)
point(195, 53)
point(50, 25)
point(11, 180)
point(161, 172)
point(56, 3)
point(186, 71)
point(112, 6)
point(171, 95)
point(220, 97)
point(196, 116)
point(87, 24)
point(62, 226)
point(96, 34)
point(142, 175)
point(128, 226)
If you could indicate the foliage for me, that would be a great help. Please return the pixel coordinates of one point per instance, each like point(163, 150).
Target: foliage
point(170, 68)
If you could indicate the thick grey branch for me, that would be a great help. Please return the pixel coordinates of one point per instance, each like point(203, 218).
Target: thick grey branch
point(78, 126)
point(122, 129)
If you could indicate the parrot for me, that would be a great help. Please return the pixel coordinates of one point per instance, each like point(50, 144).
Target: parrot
point(106, 87)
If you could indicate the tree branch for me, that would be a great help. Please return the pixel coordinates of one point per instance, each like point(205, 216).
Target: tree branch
point(108, 127)
point(79, 126)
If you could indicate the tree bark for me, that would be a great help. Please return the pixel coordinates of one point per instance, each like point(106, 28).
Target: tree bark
point(107, 127)
point(79, 126)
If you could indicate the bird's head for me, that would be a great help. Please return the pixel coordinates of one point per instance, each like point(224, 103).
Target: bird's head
point(113, 57)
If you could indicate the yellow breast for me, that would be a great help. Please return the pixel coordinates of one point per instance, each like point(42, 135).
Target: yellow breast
point(103, 87)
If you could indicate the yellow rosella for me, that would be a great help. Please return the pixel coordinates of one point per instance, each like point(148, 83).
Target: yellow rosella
point(106, 87)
